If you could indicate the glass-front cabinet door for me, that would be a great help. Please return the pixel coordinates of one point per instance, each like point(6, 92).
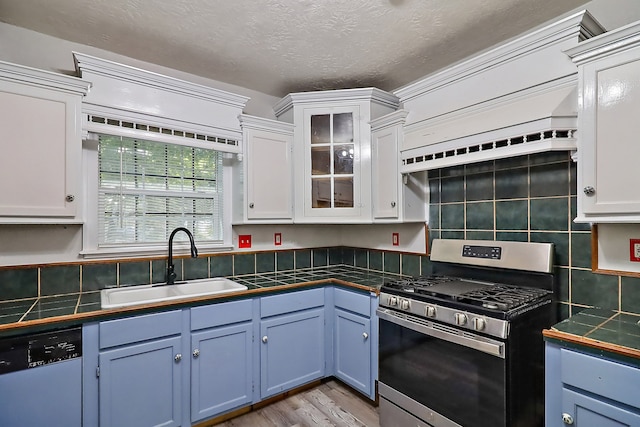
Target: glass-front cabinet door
point(332, 160)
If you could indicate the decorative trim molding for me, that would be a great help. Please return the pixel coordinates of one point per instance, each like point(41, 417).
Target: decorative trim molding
point(253, 122)
point(43, 79)
point(360, 94)
point(621, 39)
point(130, 74)
point(391, 119)
point(577, 26)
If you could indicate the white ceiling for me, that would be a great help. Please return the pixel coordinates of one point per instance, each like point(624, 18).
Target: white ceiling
point(282, 46)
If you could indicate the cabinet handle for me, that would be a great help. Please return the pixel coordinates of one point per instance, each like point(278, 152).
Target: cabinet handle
point(265, 339)
point(365, 335)
point(70, 198)
point(393, 204)
point(589, 191)
point(178, 357)
point(196, 353)
point(251, 205)
point(567, 419)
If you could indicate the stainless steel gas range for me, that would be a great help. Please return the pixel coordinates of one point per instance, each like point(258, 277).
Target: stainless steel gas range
point(463, 347)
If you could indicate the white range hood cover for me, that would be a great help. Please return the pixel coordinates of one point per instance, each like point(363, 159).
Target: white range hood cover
point(544, 119)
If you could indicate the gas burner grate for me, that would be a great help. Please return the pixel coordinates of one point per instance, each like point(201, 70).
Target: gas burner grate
point(501, 297)
point(417, 284)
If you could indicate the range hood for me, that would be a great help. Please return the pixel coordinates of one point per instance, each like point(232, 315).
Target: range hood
point(537, 120)
point(518, 98)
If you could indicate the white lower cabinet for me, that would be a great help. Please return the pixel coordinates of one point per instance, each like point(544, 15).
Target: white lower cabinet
point(182, 367)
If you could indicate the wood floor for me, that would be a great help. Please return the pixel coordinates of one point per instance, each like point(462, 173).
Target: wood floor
point(329, 404)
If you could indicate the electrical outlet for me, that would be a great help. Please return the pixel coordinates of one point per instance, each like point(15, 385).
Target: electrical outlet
point(244, 241)
point(634, 250)
point(395, 239)
point(277, 239)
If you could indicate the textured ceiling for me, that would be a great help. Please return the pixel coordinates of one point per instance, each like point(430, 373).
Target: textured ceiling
point(281, 46)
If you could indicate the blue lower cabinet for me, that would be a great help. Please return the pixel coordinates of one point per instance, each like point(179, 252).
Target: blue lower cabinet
point(586, 390)
point(221, 370)
point(140, 384)
point(292, 351)
point(353, 350)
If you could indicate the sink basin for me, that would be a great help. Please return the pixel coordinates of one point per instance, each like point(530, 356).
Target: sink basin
point(145, 294)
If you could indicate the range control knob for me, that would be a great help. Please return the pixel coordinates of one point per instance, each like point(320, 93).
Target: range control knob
point(393, 301)
point(430, 311)
point(404, 304)
point(479, 324)
point(460, 318)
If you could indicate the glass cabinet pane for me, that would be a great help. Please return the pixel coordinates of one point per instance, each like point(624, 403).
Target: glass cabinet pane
point(343, 128)
point(320, 161)
point(321, 192)
point(321, 129)
point(343, 192)
point(343, 159)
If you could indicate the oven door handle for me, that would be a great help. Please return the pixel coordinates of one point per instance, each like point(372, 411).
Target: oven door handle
point(485, 345)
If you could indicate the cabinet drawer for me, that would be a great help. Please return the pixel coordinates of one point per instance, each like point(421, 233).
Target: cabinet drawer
point(604, 377)
point(355, 302)
point(140, 328)
point(225, 313)
point(294, 301)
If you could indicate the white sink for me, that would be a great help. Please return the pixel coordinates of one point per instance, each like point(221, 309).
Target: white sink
point(145, 294)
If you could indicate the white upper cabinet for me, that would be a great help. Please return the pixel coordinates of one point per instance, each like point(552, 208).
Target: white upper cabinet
point(40, 167)
point(267, 172)
point(609, 128)
point(332, 152)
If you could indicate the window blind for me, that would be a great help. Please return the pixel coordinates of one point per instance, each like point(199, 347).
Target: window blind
point(148, 188)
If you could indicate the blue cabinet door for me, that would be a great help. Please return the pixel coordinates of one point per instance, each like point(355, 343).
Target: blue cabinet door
point(221, 370)
point(291, 351)
point(590, 412)
point(141, 384)
point(353, 350)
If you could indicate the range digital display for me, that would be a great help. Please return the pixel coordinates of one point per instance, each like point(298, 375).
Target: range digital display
point(489, 252)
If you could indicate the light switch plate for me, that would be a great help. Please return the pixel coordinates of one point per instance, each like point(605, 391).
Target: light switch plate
point(634, 250)
point(244, 241)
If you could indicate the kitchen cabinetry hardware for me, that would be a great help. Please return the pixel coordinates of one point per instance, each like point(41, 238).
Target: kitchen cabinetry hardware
point(178, 357)
point(196, 353)
point(265, 339)
point(70, 198)
point(567, 419)
point(589, 191)
point(251, 205)
point(393, 204)
point(365, 335)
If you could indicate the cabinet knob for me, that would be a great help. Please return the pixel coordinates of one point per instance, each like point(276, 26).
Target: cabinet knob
point(393, 204)
point(178, 357)
point(70, 198)
point(589, 191)
point(365, 335)
point(196, 353)
point(567, 419)
point(265, 339)
point(251, 205)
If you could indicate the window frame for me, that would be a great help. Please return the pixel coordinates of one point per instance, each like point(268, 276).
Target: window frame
point(91, 248)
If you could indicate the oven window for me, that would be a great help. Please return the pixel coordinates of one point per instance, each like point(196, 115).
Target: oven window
point(464, 385)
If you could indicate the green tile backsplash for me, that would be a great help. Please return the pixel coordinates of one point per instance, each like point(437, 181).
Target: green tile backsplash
point(27, 283)
point(530, 199)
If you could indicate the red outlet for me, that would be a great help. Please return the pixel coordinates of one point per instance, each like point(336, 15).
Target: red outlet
point(634, 250)
point(244, 241)
point(277, 239)
point(395, 239)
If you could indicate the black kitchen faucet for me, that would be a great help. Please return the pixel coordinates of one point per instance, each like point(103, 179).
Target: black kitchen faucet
point(171, 275)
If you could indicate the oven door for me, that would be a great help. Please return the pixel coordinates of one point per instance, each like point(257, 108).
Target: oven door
point(442, 375)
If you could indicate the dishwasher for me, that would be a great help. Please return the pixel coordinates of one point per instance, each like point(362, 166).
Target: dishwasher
point(41, 379)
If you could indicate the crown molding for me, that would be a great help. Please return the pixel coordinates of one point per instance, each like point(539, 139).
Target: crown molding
point(43, 79)
point(370, 94)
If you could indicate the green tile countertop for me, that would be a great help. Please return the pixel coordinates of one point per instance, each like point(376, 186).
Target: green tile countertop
point(602, 330)
point(34, 314)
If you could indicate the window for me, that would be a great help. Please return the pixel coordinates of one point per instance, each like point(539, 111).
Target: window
point(147, 188)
